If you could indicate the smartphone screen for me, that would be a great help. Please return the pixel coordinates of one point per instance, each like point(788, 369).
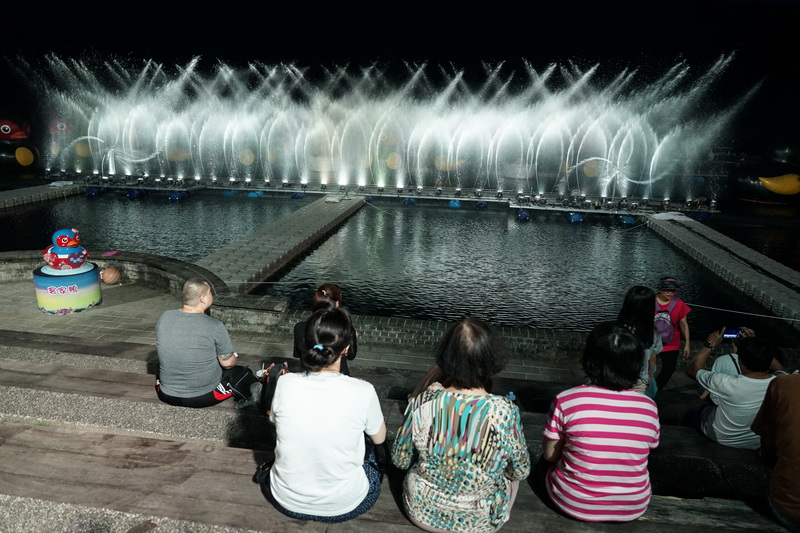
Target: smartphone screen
point(731, 333)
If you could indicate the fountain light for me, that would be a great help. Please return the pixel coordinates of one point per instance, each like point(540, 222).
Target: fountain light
point(479, 193)
point(323, 187)
point(380, 189)
point(438, 191)
point(342, 188)
point(419, 191)
point(399, 190)
point(499, 194)
point(360, 188)
point(304, 186)
point(266, 183)
point(458, 192)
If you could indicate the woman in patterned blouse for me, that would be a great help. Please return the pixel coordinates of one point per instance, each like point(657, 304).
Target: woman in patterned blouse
point(464, 446)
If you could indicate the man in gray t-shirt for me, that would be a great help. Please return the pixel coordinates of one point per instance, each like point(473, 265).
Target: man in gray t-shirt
point(196, 358)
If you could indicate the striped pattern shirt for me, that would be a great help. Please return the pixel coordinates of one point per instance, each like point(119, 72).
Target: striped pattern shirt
point(602, 473)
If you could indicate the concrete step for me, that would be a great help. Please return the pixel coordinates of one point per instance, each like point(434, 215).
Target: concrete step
point(65, 477)
point(93, 390)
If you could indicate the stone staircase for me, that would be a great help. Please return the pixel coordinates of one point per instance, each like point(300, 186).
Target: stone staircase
point(86, 446)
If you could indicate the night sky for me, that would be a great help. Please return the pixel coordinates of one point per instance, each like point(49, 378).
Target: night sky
point(648, 36)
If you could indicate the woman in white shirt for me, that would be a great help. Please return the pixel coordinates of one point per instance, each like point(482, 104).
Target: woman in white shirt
point(321, 471)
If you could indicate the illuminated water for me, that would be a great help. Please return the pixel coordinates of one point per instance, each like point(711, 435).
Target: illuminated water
point(560, 128)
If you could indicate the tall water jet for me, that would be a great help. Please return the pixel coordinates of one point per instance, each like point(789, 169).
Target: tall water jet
point(558, 131)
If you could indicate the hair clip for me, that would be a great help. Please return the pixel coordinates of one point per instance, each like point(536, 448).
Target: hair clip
point(324, 293)
point(318, 347)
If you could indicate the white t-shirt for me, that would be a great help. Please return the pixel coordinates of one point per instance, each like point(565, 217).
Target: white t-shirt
point(321, 418)
point(725, 364)
point(740, 399)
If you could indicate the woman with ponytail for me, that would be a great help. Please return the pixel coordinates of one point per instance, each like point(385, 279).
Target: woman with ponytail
point(328, 296)
point(324, 469)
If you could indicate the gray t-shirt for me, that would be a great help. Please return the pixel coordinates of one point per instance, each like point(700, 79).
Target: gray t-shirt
point(188, 345)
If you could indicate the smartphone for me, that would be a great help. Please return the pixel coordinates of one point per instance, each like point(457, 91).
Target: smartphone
point(732, 333)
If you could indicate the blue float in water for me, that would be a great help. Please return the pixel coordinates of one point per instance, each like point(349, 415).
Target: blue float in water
point(232, 192)
point(573, 217)
point(133, 195)
point(94, 191)
point(297, 196)
point(409, 201)
point(701, 217)
point(523, 215)
point(455, 204)
point(177, 195)
point(627, 220)
point(481, 205)
point(255, 194)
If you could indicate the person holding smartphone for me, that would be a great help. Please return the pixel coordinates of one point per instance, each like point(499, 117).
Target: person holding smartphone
point(739, 396)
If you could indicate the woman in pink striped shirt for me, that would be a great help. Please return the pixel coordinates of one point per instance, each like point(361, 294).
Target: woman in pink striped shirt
point(598, 436)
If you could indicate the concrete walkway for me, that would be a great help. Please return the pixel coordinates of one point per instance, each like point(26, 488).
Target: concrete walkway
point(40, 193)
point(771, 284)
point(264, 253)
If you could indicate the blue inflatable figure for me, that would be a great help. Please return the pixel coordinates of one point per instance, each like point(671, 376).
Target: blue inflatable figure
point(523, 215)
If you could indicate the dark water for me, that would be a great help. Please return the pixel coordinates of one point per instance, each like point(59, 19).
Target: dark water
point(185, 230)
point(425, 261)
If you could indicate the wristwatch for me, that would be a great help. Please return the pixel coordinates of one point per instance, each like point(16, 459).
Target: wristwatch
point(708, 345)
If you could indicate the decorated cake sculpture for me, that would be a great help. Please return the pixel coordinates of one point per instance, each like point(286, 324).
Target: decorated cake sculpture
point(68, 283)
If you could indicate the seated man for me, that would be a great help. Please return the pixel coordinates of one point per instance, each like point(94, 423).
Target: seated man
point(729, 363)
point(776, 422)
point(738, 396)
point(197, 362)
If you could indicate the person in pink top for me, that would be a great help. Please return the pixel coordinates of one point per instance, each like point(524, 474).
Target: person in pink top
point(598, 436)
point(668, 303)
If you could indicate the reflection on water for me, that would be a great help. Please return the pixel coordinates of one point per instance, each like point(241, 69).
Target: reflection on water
point(423, 261)
point(185, 230)
point(440, 263)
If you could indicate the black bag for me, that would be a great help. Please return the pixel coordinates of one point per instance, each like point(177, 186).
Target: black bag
point(262, 472)
point(269, 380)
point(238, 379)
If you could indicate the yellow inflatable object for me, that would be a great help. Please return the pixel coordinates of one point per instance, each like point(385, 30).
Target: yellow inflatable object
point(786, 184)
point(24, 156)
